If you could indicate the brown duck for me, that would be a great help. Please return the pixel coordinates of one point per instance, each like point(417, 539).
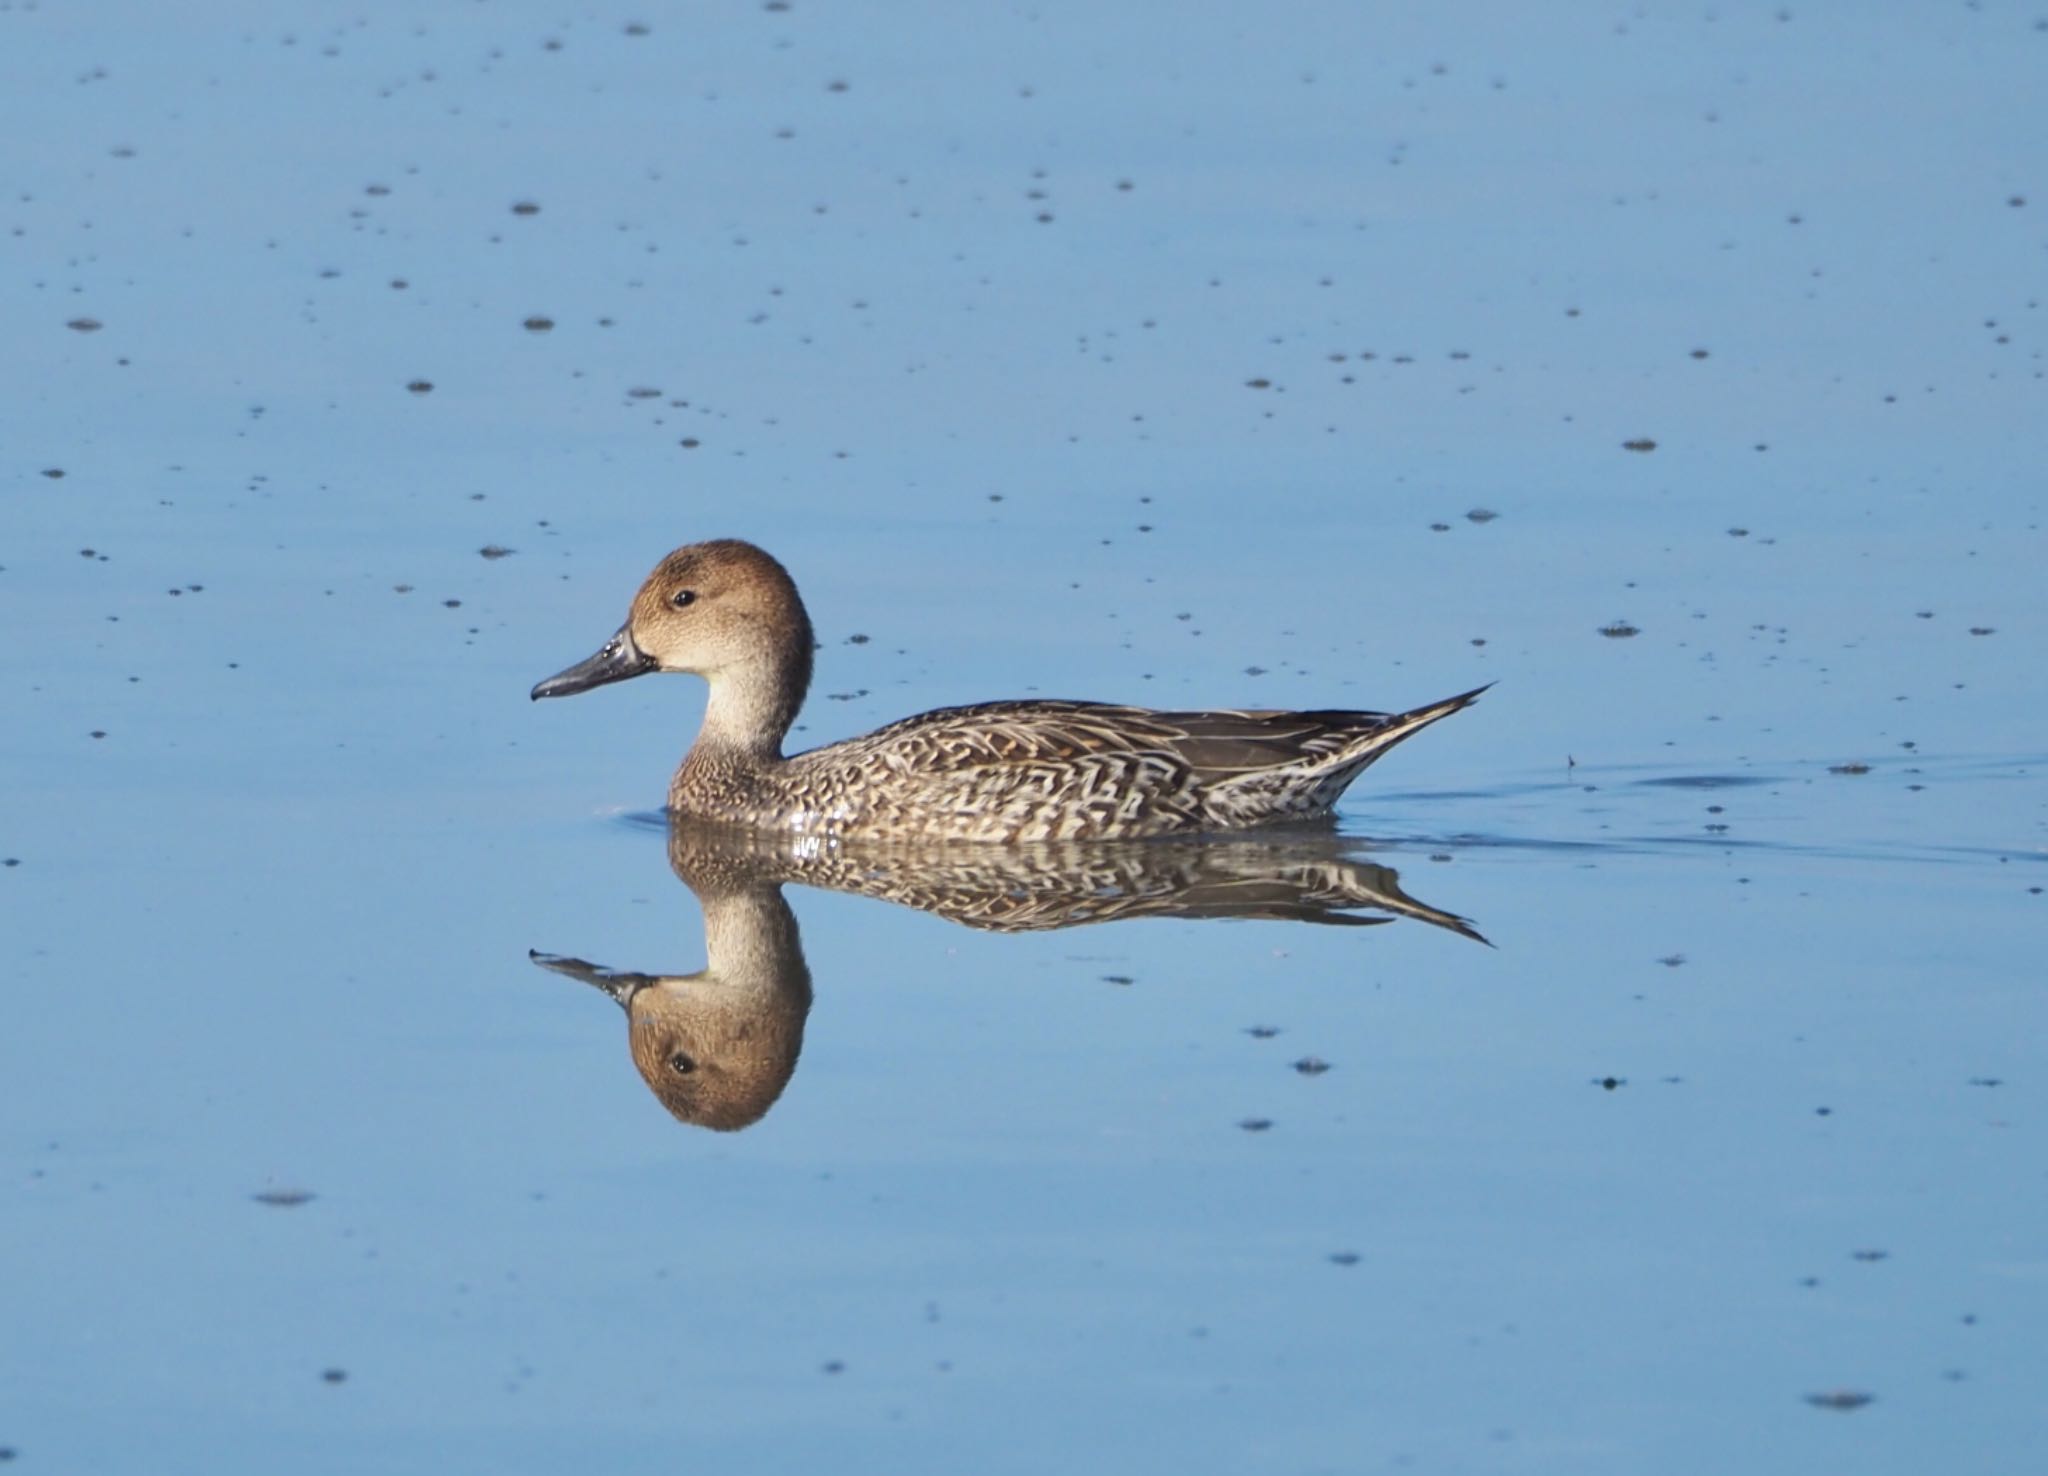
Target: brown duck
point(996, 771)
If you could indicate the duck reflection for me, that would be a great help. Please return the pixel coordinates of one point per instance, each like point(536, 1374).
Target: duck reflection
point(717, 1047)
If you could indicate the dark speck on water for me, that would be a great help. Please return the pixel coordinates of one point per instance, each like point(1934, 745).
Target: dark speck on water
point(420, 386)
point(283, 1198)
point(1344, 1258)
point(1262, 1032)
point(495, 551)
point(1850, 768)
point(1641, 443)
point(1620, 630)
point(1256, 1124)
point(85, 325)
point(1840, 1399)
point(1311, 1065)
point(334, 1375)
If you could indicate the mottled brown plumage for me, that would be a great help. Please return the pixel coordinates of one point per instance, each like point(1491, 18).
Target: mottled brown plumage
point(997, 771)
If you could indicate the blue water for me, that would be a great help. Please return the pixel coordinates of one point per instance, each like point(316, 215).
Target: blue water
point(1156, 354)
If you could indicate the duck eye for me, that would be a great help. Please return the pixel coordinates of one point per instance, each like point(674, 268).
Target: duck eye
point(683, 597)
point(681, 1064)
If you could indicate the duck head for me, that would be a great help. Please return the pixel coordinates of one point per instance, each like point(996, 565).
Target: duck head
point(725, 611)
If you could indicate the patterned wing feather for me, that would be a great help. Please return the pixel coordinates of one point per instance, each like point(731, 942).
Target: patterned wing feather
point(1218, 743)
point(1225, 743)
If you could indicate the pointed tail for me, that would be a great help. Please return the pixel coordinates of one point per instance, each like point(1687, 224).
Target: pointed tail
point(1351, 761)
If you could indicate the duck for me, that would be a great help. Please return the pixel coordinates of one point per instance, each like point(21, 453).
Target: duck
point(1018, 771)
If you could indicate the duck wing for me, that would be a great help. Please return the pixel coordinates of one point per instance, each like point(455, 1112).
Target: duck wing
point(1053, 770)
point(1216, 743)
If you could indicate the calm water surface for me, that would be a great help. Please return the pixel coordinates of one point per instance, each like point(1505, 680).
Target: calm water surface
point(1681, 373)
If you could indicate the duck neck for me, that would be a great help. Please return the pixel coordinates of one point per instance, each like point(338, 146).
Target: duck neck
point(752, 707)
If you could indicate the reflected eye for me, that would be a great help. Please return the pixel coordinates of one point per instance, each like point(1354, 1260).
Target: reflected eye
point(681, 1064)
point(683, 597)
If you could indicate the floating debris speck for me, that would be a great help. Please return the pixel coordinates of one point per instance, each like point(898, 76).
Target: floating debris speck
point(1840, 1399)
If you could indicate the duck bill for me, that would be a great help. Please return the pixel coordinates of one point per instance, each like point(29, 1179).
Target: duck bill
point(620, 986)
point(619, 660)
